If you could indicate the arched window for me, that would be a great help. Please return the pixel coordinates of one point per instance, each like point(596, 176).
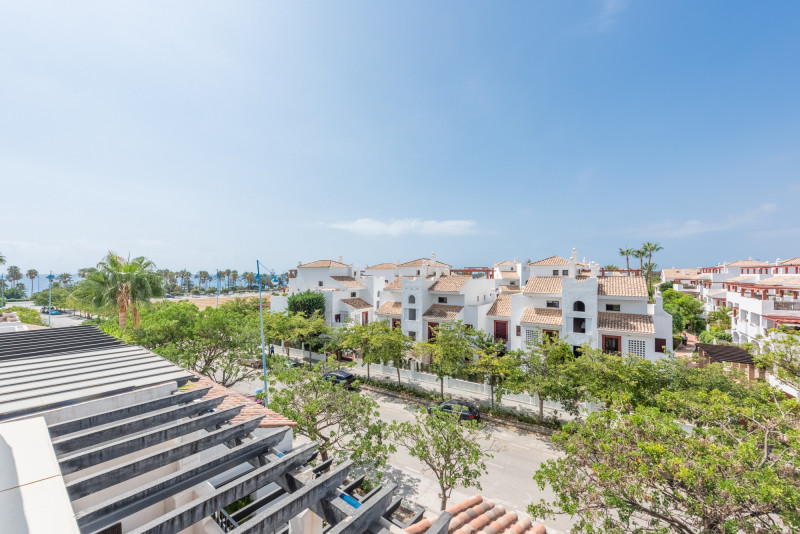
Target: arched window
point(579, 306)
point(411, 299)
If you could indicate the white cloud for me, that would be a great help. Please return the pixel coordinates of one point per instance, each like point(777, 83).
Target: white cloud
point(671, 228)
point(398, 227)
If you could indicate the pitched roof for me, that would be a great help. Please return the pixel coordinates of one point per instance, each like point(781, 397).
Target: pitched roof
point(792, 261)
point(321, 264)
point(477, 514)
point(552, 260)
point(746, 278)
point(358, 304)
point(448, 312)
point(382, 266)
point(348, 281)
point(394, 284)
point(450, 283)
point(545, 285)
point(720, 293)
point(390, 308)
point(542, 316)
point(684, 274)
point(502, 263)
point(251, 409)
point(509, 275)
point(418, 263)
point(748, 263)
point(622, 286)
point(509, 289)
point(626, 322)
point(784, 280)
point(501, 306)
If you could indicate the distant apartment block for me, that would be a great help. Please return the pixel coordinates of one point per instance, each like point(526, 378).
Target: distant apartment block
point(517, 302)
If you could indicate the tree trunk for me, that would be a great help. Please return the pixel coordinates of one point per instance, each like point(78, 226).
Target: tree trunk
point(398, 375)
point(135, 317)
point(123, 317)
point(441, 391)
point(368, 364)
point(443, 497)
point(541, 407)
point(491, 390)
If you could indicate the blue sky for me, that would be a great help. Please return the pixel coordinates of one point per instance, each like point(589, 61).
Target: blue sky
point(209, 134)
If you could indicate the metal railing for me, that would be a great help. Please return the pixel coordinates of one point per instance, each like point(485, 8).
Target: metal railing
point(224, 520)
point(786, 306)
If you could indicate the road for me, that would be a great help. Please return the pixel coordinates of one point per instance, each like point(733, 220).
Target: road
point(508, 480)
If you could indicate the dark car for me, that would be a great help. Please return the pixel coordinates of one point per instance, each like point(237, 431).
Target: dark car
point(341, 377)
point(466, 410)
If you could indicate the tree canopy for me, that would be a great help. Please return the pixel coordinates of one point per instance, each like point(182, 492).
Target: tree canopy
point(307, 302)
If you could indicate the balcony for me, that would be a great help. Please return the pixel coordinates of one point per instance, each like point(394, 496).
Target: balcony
point(792, 305)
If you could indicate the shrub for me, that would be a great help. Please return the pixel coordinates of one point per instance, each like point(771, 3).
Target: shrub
point(26, 315)
point(307, 302)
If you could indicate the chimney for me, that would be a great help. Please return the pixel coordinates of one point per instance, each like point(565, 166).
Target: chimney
point(433, 258)
point(299, 263)
point(340, 259)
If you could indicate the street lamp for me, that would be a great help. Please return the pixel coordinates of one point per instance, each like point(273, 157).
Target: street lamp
point(2, 290)
point(217, 288)
point(50, 299)
point(261, 317)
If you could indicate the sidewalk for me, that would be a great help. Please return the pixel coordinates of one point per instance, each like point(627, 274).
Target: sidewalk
point(685, 351)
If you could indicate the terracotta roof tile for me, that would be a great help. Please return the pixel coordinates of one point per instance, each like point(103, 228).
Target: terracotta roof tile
point(792, 261)
point(683, 274)
point(394, 284)
point(381, 266)
point(550, 316)
point(501, 306)
point(447, 312)
point(626, 322)
point(503, 263)
point(348, 281)
point(622, 286)
point(743, 278)
point(552, 260)
point(718, 294)
point(450, 283)
point(321, 264)
point(544, 285)
point(748, 263)
point(506, 275)
point(479, 515)
point(358, 304)
point(390, 308)
point(418, 263)
point(783, 280)
point(250, 410)
point(509, 289)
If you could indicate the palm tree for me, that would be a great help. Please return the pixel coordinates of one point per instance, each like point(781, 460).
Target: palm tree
point(32, 274)
point(2, 259)
point(123, 285)
point(65, 278)
point(234, 277)
point(627, 253)
point(639, 254)
point(14, 275)
point(611, 267)
point(649, 248)
point(83, 272)
point(202, 278)
point(249, 278)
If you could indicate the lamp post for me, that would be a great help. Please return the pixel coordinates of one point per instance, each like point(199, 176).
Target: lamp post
point(50, 299)
point(261, 317)
point(217, 288)
point(2, 290)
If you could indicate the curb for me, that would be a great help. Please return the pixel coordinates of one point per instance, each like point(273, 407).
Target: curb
point(501, 421)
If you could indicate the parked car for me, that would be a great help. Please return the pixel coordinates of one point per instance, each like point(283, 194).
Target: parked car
point(466, 410)
point(341, 377)
point(168, 296)
point(52, 311)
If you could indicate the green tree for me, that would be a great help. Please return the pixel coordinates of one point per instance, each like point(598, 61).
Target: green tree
point(58, 300)
point(2, 259)
point(122, 285)
point(64, 278)
point(390, 346)
point(720, 318)
point(627, 253)
point(307, 302)
point(686, 311)
point(611, 267)
point(543, 376)
point(454, 451)
point(13, 274)
point(780, 355)
point(451, 350)
point(639, 254)
point(346, 424)
point(497, 367)
point(32, 274)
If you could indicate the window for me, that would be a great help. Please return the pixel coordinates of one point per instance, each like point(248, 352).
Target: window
point(320, 283)
point(532, 336)
point(338, 317)
point(412, 335)
point(478, 298)
point(519, 330)
point(578, 306)
point(612, 307)
point(468, 326)
point(417, 271)
point(411, 299)
point(611, 344)
point(442, 300)
point(660, 344)
point(352, 294)
point(637, 347)
point(555, 272)
point(513, 283)
point(565, 272)
point(579, 325)
point(552, 304)
point(412, 314)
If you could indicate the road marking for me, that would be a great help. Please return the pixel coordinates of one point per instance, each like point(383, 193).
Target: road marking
point(519, 446)
point(412, 470)
point(494, 465)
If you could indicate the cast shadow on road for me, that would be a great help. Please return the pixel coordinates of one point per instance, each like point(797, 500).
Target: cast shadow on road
point(407, 484)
